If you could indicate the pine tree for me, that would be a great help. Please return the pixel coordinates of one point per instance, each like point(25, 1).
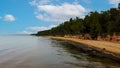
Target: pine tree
point(119, 6)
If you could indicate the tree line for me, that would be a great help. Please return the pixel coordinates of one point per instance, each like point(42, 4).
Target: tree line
point(95, 23)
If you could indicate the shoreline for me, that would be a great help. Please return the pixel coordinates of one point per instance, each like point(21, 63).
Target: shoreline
point(108, 48)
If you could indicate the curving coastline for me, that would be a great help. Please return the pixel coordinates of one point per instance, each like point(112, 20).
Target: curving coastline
point(109, 50)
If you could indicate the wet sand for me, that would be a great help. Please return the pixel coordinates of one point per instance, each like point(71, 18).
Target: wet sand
point(110, 47)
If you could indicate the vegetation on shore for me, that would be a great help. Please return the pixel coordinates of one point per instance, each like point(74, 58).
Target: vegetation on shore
point(95, 24)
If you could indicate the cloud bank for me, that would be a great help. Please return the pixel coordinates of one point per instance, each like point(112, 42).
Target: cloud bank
point(47, 11)
point(40, 28)
point(34, 29)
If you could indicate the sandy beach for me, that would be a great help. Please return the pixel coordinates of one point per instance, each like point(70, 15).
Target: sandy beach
point(109, 47)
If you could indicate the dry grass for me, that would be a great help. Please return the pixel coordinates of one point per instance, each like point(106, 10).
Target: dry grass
point(113, 48)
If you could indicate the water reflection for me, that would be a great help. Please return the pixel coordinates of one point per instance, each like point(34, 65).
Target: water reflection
point(83, 58)
point(40, 52)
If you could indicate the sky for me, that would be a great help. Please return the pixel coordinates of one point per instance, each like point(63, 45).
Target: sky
point(31, 16)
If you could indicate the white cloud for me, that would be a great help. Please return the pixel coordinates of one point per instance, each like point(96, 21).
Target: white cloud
point(25, 32)
point(38, 2)
point(58, 13)
point(114, 2)
point(9, 18)
point(35, 29)
point(39, 28)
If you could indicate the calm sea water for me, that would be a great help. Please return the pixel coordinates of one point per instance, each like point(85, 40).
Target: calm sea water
point(39, 52)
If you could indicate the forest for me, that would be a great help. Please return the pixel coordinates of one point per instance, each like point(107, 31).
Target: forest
point(94, 23)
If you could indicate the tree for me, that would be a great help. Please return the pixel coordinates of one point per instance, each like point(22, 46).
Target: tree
point(119, 6)
point(105, 22)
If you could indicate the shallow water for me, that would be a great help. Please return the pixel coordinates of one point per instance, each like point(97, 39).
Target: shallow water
point(39, 52)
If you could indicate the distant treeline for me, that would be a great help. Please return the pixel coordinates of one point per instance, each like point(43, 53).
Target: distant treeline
point(95, 24)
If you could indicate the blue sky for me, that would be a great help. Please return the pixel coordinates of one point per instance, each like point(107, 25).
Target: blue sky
point(30, 16)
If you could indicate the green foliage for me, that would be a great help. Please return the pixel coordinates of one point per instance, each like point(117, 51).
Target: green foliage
point(105, 22)
point(119, 6)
